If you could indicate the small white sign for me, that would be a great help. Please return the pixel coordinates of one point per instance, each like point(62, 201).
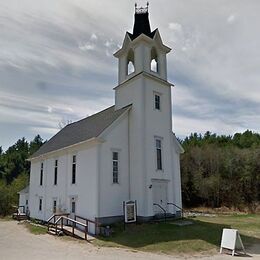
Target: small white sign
point(130, 211)
point(231, 240)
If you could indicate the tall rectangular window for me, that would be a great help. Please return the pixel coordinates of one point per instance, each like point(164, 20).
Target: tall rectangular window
point(41, 174)
point(40, 204)
point(55, 172)
point(54, 206)
point(158, 143)
point(115, 167)
point(157, 102)
point(73, 180)
point(73, 206)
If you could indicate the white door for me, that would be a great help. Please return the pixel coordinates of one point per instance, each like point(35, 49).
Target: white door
point(159, 196)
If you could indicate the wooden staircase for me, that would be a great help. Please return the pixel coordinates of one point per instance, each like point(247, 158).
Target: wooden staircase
point(61, 224)
point(20, 214)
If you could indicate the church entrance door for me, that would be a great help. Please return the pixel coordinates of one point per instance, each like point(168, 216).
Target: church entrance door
point(159, 195)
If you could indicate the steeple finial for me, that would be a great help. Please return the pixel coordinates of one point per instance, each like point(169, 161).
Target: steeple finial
point(141, 24)
point(141, 10)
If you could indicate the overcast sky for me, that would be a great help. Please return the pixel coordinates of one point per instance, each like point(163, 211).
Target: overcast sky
point(56, 62)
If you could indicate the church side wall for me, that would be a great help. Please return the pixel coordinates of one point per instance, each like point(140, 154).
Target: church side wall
point(83, 191)
point(112, 194)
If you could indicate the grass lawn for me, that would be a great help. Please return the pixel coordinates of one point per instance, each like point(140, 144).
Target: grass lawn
point(6, 218)
point(36, 229)
point(204, 235)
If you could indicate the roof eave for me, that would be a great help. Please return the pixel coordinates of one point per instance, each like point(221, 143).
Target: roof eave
point(95, 140)
point(147, 75)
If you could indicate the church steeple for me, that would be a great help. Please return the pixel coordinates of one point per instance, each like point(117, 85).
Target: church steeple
point(141, 24)
point(142, 50)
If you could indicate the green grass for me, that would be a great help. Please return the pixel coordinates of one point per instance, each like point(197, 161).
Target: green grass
point(203, 236)
point(6, 218)
point(36, 229)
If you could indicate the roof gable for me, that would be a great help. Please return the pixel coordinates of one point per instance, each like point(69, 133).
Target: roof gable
point(81, 130)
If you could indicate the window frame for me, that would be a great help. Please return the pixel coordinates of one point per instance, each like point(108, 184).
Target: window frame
point(40, 204)
point(55, 181)
point(41, 174)
point(157, 102)
point(73, 206)
point(73, 169)
point(54, 205)
point(115, 179)
point(159, 151)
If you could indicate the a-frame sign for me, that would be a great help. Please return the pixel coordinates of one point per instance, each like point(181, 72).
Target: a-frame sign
point(231, 240)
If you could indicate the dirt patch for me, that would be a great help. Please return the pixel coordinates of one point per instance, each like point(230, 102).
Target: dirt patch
point(16, 242)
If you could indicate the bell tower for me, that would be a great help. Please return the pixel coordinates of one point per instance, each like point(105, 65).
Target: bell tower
point(142, 50)
point(142, 82)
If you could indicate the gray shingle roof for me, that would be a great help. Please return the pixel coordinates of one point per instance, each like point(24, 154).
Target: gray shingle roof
point(82, 130)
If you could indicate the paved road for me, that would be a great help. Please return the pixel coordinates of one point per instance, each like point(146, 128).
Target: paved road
point(18, 243)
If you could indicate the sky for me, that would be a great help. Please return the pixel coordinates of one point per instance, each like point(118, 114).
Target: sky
point(57, 64)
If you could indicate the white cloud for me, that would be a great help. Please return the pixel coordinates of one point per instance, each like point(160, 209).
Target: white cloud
point(49, 109)
point(175, 27)
point(87, 47)
point(93, 37)
point(231, 18)
point(109, 43)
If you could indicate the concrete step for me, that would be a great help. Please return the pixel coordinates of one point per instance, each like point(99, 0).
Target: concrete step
point(161, 217)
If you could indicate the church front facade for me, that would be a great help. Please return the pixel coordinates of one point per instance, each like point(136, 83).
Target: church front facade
point(125, 152)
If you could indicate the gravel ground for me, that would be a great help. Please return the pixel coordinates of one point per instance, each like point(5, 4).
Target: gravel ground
point(18, 243)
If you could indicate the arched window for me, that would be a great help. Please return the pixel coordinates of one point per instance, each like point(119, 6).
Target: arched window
point(154, 61)
point(130, 62)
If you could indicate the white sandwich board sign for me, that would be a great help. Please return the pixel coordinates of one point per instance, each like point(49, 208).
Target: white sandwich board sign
point(231, 240)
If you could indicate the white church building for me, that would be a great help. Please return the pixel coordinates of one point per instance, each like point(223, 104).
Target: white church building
point(125, 152)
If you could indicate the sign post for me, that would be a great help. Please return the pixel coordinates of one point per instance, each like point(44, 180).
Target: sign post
point(231, 240)
point(129, 212)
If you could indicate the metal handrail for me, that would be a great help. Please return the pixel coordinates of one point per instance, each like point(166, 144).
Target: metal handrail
point(170, 203)
point(164, 211)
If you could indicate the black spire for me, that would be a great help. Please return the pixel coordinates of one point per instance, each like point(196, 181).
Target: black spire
point(142, 24)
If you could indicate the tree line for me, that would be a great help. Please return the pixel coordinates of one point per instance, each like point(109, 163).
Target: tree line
point(221, 170)
point(216, 170)
point(14, 171)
